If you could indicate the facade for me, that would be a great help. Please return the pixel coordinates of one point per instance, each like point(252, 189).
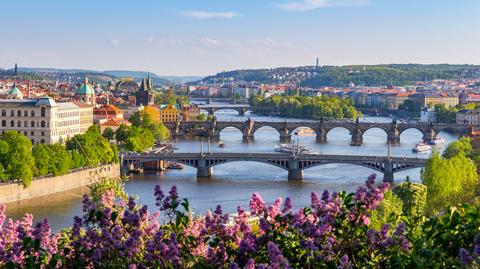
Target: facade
point(114, 124)
point(42, 120)
point(144, 95)
point(428, 115)
point(106, 112)
point(468, 117)
point(190, 112)
point(393, 101)
point(169, 113)
point(423, 100)
point(469, 98)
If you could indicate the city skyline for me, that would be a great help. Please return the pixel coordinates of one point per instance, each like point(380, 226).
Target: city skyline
point(202, 37)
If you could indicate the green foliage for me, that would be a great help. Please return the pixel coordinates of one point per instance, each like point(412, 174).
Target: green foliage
point(134, 138)
point(143, 119)
point(16, 157)
point(118, 187)
point(445, 115)
point(201, 117)
point(51, 160)
point(414, 198)
point(437, 240)
point(306, 107)
point(388, 212)
point(409, 105)
point(169, 97)
point(93, 146)
point(449, 181)
point(462, 146)
point(108, 133)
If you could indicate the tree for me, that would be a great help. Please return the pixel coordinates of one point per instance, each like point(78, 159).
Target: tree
point(409, 105)
point(462, 146)
point(16, 157)
point(413, 196)
point(93, 146)
point(389, 211)
point(108, 133)
point(449, 181)
point(201, 117)
point(149, 119)
point(139, 139)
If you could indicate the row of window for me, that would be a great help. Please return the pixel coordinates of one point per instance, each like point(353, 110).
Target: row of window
point(33, 140)
point(25, 124)
point(25, 113)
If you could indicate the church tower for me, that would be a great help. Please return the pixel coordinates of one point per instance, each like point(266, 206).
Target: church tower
point(85, 93)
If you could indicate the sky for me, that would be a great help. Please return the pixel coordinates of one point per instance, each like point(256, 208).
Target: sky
point(203, 37)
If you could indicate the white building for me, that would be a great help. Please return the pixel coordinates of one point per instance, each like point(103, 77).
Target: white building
point(428, 115)
point(468, 117)
point(43, 120)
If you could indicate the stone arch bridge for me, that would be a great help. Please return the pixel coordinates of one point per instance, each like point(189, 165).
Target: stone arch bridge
point(204, 162)
point(240, 108)
point(321, 128)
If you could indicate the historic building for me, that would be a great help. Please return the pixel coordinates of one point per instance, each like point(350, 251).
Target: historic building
point(144, 95)
point(169, 113)
point(15, 93)
point(85, 93)
point(467, 116)
point(106, 112)
point(43, 120)
point(190, 112)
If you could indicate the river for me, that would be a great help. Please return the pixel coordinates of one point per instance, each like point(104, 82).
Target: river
point(233, 184)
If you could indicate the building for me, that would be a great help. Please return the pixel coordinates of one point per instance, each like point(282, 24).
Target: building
point(42, 120)
point(468, 117)
point(86, 116)
point(428, 114)
point(190, 112)
point(469, 98)
point(393, 101)
point(144, 95)
point(85, 93)
point(106, 112)
point(169, 113)
point(114, 124)
point(423, 100)
point(15, 93)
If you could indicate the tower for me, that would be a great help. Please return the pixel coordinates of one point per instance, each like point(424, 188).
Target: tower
point(316, 63)
point(15, 70)
point(85, 93)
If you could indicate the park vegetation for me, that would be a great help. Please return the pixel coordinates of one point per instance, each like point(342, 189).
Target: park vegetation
point(20, 161)
point(169, 97)
point(305, 107)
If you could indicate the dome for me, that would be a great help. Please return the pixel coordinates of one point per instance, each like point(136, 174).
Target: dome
point(15, 92)
point(85, 88)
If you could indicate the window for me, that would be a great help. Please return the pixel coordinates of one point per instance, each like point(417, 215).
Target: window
point(32, 113)
point(42, 123)
point(4, 113)
point(32, 124)
point(32, 133)
point(25, 124)
point(25, 133)
point(42, 141)
point(4, 123)
point(19, 113)
point(19, 124)
point(42, 112)
point(12, 113)
point(25, 113)
point(33, 142)
point(12, 123)
point(43, 133)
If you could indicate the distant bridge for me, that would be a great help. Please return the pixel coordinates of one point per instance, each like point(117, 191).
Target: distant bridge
point(321, 128)
point(295, 165)
point(211, 108)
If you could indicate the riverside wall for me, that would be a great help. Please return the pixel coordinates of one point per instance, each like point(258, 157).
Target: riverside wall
point(12, 192)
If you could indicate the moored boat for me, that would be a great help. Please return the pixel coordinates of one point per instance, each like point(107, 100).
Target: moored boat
point(421, 147)
point(437, 141)
point(289, 148)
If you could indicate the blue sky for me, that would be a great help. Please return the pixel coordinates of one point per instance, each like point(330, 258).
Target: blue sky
point(201, 37)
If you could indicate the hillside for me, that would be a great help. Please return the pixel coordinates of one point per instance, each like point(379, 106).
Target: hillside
point(341, 76)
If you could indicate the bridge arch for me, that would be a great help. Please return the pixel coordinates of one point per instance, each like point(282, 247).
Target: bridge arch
point(339, 131)
point(280, 164)
point(413, 138)
point(264, 127)
point(370, 133)
point(308, 129)
point(236, 127)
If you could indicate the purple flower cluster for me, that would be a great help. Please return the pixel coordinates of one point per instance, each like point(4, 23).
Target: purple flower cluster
point(120, 233)
point(473, 258)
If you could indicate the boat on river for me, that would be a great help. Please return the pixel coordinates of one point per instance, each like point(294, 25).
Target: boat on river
point(221, 144)
point(437, 141)
point(305, 132)
point(289, 148)
point(421, 147)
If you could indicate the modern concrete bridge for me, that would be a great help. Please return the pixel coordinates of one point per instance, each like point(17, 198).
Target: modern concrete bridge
point(240, 108)
point(285, 129)
point(204, 162)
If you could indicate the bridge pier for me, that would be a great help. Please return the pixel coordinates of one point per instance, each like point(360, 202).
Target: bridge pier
point(294, 170)
point(429, 136)
point(321, 136)
point(241, 111)
point(357, 138)
point(393, 139)
point(388, 171)
point(202, 169)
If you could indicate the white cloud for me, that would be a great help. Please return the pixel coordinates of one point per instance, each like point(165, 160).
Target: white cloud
point(201, 14)
point(306, 5)
point(207, 41)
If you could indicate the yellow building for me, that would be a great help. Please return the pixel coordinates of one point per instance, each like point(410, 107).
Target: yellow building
point(169, 113)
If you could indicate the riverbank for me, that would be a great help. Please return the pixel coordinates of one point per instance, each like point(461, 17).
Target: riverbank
point(12, 192)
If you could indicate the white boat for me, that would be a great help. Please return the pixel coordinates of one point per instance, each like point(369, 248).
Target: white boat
point(289, 148)
point(421, 147)
point(437, 141)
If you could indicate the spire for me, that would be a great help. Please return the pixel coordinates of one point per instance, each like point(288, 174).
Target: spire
point(85, 81)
